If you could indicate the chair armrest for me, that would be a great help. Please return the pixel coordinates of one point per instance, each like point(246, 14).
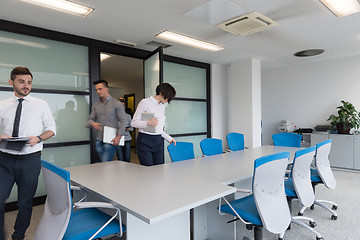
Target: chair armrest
point(79, 189)
point(243, 190)
point(94, 205)
point(227, 202)
point(82, 205)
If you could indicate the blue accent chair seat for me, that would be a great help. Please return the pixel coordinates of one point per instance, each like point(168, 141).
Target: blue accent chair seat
point(182, 151)
point(211, 146)
point(287, 139)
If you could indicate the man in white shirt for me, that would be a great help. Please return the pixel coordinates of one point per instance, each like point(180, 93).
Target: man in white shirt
point(26, 117)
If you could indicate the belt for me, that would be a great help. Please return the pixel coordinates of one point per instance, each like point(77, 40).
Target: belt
point(22, 156)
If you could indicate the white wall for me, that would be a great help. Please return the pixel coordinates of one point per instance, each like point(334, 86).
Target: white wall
point(308, 94)
point(219, 104)
point(244, 111)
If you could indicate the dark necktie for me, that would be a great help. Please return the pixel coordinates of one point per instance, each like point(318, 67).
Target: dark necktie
point(15, 132)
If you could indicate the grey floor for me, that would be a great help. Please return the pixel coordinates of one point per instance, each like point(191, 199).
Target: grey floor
point(346, 227)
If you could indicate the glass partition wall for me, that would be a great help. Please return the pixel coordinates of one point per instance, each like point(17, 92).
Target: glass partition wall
point(188, 115)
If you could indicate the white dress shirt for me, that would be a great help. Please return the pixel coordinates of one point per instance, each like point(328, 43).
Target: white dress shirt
point(151, 105)
point(36, 118)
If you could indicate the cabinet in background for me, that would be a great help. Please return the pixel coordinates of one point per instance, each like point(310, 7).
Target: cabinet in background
point(345, 149)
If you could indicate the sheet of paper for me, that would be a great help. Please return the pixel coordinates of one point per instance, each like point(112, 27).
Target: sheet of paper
point(110, 133)
point(145, 117)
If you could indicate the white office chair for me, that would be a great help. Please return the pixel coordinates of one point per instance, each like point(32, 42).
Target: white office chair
point(59, 221)
point(323, 174)
point(298, 186)
point(267, 206)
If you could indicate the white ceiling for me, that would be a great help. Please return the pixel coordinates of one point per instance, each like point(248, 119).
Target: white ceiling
point(303, 24)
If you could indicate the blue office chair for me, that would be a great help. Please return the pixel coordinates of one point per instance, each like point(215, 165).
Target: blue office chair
point(266, 206)
point(235, 141)
point(298, 186)
point(61, 221)
point(287, 139)
point(182, 151)
point(323, 175)
point(211, 146)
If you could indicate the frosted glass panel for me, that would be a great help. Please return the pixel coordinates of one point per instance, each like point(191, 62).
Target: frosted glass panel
point(152, 74)
point(194, 139)
point(189, 82)
point(62, 157)
point(54, 65)
point(186, 117)
point(70, 112)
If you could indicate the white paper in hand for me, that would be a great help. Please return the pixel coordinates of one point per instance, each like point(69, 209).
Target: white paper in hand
point(145, 117)
point(110, 133)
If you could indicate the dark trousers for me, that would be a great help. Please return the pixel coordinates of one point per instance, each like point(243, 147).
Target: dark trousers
point(124, 152)
point(24, 171)
point(150, 149)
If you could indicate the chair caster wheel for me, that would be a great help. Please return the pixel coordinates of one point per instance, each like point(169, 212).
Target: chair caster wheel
point(281, 238)
point(333, 217)
point(300, 214)
point(319, 238)
point(334, 207)
point(312, 224)
point(312, 207)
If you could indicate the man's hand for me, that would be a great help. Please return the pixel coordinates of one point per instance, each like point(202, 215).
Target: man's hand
point(4, 136)
point(33, 140)
point(96, 126)
point(153, 122)
point(173, 141)
point(116, 140)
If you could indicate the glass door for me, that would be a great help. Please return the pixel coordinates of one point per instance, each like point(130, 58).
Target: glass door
point(153, 72)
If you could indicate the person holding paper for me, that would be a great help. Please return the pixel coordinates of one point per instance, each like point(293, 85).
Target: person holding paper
point(150, 118)
point(26, 117)
point(110, 113)
point(123, 152)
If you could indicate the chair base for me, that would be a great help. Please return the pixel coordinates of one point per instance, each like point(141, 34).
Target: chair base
point(257, 231)
point(321, 204)
point(296, 220)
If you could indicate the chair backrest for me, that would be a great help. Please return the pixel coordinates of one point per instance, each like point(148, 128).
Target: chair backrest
point(287, 139)
point(269, 191)
point(182, 151)
point(323, 164)
point(58, 205)
point(301, 177)
point(211, 146)
point(235, 141)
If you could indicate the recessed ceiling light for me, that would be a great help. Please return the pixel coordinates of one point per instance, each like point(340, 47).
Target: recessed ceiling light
point(175, 37)
point(342, 8)
point(64, 6)
point(309, 52)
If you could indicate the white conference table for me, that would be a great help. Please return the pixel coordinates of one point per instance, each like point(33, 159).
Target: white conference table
point(231, 168)
point(157, 200)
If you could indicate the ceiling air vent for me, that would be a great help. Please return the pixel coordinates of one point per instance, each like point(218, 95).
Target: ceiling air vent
point(247, 24)
point(158, 44)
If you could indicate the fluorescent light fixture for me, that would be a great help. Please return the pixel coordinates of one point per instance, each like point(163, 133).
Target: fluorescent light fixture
point(104, 56)
point(189, 41)
point(342, 8)
point(64, 6)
